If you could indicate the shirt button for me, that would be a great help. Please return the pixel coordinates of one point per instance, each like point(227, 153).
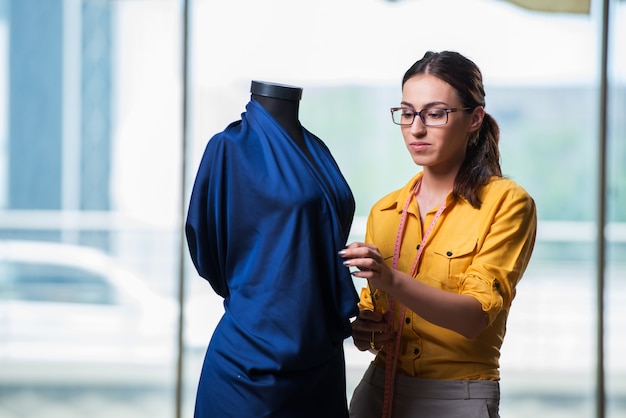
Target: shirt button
point(449, 253)
point(407, 320)
point(416, 351)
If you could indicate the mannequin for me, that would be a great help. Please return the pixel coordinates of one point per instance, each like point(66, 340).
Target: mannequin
point(283, 103)
point(266, 220)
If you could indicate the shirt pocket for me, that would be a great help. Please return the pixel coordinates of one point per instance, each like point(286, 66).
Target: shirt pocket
point(454, 259)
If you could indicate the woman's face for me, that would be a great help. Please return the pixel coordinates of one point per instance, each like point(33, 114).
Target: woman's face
point(441, 149)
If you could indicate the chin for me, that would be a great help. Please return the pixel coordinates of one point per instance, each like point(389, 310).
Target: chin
point(420, 161)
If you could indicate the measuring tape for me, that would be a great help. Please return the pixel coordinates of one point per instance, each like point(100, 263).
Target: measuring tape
point(393, 348)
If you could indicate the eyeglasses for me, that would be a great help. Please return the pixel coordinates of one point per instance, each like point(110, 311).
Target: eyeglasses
point(432, 116)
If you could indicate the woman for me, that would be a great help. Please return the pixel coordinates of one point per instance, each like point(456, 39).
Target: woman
point(442, 256)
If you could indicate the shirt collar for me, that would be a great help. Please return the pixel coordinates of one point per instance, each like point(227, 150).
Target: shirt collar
point(398, 199)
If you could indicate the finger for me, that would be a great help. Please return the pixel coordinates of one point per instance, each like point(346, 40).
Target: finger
point(379, 340)
point(385, 337)
point(368, 315)
point(364, 265)
point(373, 341)
point(356, 245)
point(358, 250)
point(362, 345)
point(363, 331)
point(388, 317)
point(365, 334)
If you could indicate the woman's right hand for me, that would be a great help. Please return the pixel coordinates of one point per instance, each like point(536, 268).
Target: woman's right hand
point(371, 330)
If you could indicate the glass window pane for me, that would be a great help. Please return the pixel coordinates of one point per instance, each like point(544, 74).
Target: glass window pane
point(540, 71)
point(90, 154)
point(90, 138)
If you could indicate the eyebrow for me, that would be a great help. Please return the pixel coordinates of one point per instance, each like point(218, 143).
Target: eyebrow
point(431, 104)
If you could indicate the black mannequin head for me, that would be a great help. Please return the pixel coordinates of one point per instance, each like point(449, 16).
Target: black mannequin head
point(275, 90)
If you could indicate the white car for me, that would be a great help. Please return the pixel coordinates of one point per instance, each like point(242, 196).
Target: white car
point(72, 315)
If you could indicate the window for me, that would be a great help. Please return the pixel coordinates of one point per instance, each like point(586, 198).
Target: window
point(91, 155)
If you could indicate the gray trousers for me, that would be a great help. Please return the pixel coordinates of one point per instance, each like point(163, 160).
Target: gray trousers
point(425, 398)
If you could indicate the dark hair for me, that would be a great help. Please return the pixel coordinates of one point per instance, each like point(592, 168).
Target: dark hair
point(482, 158)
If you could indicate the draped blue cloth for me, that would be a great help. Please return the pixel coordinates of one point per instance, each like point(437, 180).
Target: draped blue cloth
point(264, 227)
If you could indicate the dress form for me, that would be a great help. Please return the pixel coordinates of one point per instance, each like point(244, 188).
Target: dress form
point(283, 103)
point(255, 189)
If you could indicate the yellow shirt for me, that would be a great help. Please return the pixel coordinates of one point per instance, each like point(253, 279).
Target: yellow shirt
point(478, 252)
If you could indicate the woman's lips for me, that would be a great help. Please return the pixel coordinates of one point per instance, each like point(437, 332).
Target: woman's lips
point(419, 146)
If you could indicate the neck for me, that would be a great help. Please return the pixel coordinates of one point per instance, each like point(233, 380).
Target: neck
point(433, 190)
point(437, 183)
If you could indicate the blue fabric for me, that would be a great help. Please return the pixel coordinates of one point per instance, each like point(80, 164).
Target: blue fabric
point(264, 227)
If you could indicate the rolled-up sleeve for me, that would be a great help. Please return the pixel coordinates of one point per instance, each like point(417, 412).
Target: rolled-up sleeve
point(503, 252)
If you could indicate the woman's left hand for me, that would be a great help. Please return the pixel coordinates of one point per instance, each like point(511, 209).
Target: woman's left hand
point(370, 264)
point(371, 330)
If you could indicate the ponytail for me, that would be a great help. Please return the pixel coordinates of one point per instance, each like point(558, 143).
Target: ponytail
point(482, 161)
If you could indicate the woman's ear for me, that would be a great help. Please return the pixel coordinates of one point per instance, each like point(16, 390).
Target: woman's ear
point(477, 118)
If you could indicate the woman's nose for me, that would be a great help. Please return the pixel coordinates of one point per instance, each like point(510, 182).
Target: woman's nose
point(417, 126)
